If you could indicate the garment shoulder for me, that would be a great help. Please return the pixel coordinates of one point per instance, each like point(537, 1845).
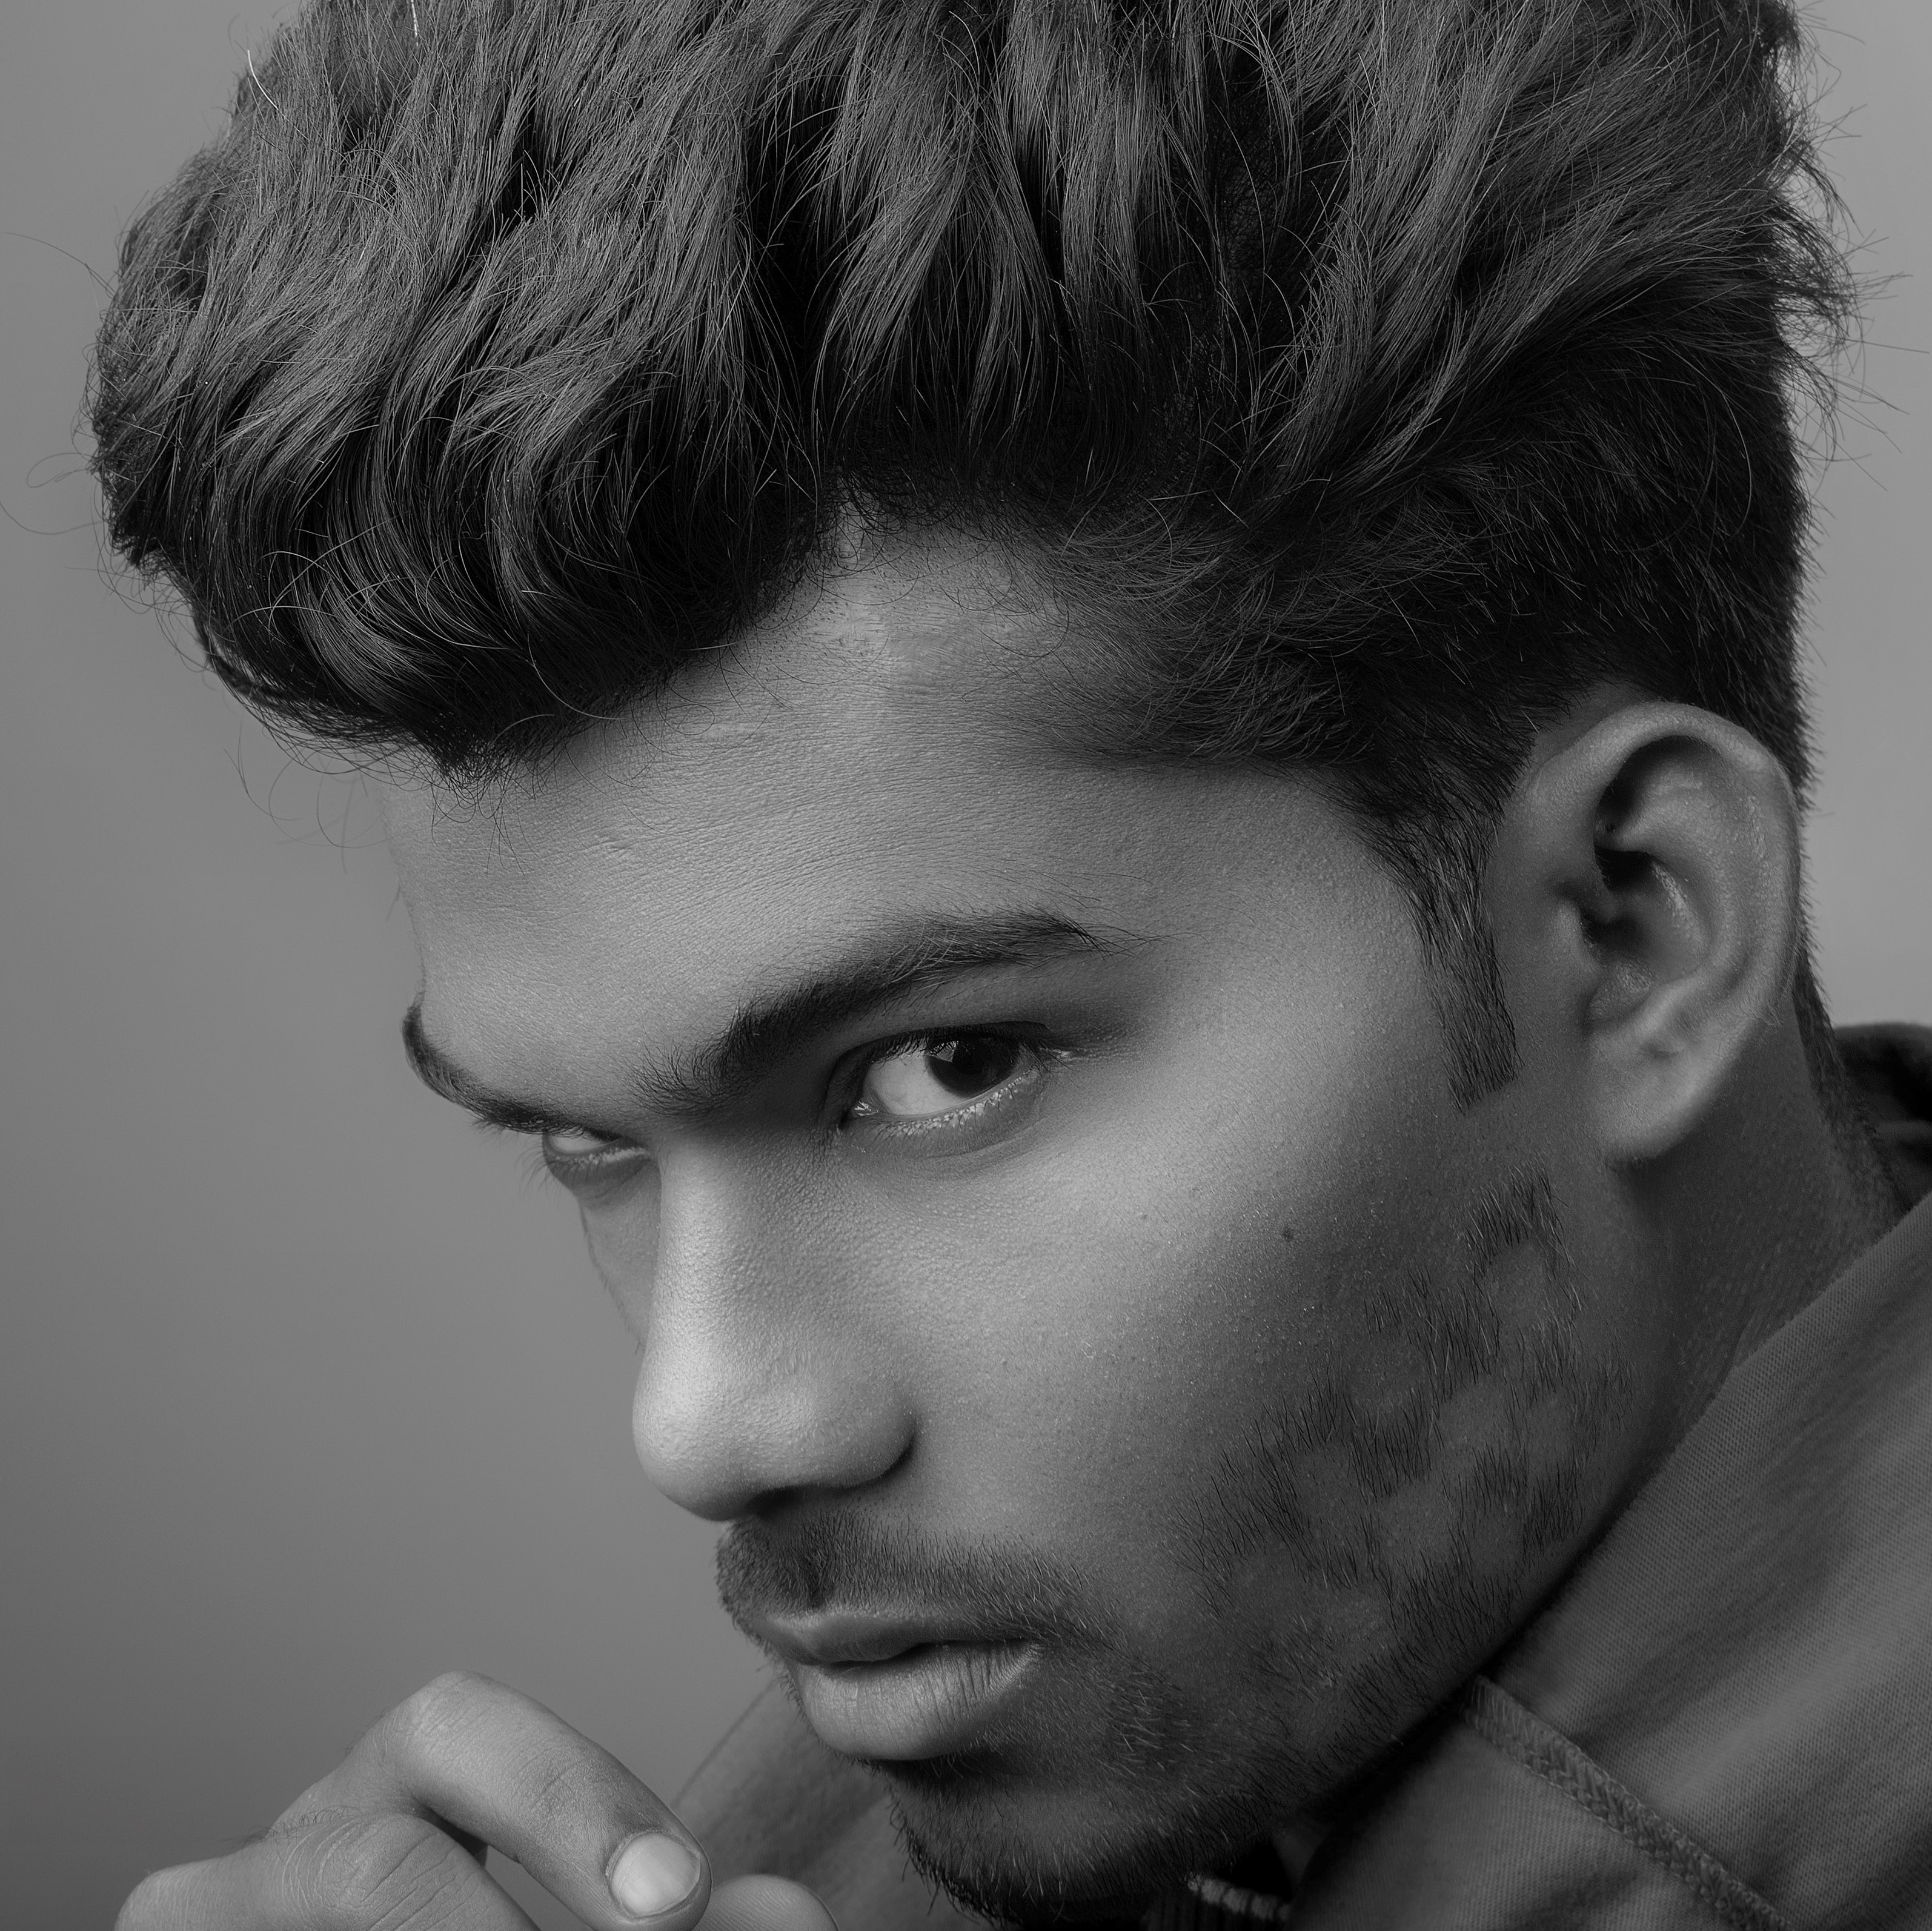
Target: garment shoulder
point(771, 1799)
point(1503, 1825)
point(1746, 1649)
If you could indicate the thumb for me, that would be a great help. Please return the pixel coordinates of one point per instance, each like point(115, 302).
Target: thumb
point(765, 1904)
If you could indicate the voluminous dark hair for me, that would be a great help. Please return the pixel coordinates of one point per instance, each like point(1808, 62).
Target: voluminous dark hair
point(1368, 378)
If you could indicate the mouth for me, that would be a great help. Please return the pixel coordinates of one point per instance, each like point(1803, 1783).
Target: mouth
point(926, 1701)
point(875, 1690)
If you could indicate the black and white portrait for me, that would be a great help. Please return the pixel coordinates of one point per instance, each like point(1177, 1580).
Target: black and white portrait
point(1157, 767)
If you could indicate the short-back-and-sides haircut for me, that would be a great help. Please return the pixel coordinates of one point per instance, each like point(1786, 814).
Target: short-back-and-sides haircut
point(1365, 379)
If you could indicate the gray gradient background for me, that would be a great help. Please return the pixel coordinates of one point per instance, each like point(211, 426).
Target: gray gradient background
point(307, 1391)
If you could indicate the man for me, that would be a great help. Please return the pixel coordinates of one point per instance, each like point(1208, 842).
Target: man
point(1093, 708)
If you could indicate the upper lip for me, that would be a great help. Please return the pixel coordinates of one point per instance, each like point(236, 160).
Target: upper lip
point(829, 1638)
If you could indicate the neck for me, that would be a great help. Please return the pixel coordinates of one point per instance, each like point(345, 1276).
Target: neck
point(1772, 1197)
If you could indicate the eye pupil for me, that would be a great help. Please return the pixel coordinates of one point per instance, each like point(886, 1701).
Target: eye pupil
point(971, 1065)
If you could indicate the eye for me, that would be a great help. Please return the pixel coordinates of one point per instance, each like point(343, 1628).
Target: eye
point(576, 1153)
point(926, 1079)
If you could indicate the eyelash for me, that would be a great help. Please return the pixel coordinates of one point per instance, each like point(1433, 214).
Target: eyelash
point(1042, 1055)
point(850, 1081)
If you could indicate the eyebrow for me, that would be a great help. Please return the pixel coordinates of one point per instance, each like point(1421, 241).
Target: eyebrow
point(769, 1028)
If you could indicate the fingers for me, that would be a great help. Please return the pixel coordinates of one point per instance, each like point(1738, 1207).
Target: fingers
point(469, 1753)
point(395, 1837)
point(339, 1874)
point(765, 1904)
point(355, 1873)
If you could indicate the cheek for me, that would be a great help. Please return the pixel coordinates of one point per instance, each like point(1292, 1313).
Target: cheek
point(620, 1228)
point(1116, 1326)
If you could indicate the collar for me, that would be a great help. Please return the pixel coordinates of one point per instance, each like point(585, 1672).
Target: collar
point(1891, 1066)
point(1747, 1647)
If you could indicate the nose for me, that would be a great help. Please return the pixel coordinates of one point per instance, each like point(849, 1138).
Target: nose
point(763, 1372)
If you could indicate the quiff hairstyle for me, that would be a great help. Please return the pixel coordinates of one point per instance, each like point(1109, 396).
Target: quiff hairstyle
point(1366, 379)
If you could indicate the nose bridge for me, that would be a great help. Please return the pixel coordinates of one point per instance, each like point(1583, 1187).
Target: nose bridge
point(762, 1369)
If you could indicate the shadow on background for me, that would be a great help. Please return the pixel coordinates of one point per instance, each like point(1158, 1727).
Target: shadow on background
point(307, 1393)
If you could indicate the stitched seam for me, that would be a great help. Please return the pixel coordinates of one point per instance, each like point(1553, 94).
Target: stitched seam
point(1520, 1734)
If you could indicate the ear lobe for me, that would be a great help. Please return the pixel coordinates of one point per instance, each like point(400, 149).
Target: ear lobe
point(1668, 844)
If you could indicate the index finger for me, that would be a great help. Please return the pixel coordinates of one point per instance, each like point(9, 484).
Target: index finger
point(470, 1752)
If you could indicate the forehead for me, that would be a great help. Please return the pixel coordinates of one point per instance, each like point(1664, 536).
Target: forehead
point(871, 752)
point(790, 769)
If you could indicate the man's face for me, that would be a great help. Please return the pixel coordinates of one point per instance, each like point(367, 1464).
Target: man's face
point(1138, 1392)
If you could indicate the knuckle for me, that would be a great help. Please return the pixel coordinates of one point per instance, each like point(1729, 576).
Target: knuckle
point(565, 1784)
point(557, 1785)
point(153, 1905)
point(398, 1872)
point(544, 1789)
point(436, 1708)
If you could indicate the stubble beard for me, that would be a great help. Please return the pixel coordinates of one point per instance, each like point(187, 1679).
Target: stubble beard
point(1313, 1494)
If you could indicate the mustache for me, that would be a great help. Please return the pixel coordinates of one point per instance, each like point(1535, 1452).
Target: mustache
point(845, 1559)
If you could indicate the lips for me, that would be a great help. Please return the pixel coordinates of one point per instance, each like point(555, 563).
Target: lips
point(887, 1690)
point(927, 1702)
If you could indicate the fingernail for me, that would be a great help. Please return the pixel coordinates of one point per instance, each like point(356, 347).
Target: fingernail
point(653, 1873)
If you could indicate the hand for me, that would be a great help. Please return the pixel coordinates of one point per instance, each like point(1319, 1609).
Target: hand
point(395, 1838)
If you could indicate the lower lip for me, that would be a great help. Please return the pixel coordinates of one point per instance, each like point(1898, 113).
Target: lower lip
point(925, 1703)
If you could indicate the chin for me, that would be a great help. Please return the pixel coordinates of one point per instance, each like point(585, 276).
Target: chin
point(1069, 1846)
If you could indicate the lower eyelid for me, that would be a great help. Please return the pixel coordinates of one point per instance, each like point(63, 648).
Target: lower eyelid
point(1039, 1059)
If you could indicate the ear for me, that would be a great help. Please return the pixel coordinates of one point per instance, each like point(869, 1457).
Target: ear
point(1645, 892)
